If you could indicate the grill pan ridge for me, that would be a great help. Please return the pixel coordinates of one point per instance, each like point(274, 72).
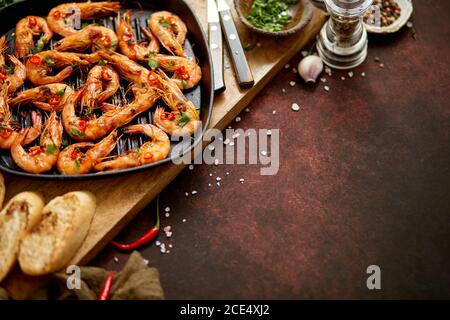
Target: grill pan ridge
point(196, 45)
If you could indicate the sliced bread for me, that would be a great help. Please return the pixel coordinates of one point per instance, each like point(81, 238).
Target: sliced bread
point(20, 214)
point(51, 244)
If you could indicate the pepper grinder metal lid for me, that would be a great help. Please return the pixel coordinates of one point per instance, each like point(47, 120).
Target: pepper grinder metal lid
point(342, 42)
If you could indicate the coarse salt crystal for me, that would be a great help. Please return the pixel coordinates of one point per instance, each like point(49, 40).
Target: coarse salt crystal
point(294, 70)
point(327, 88)
point(211, 147)
point(116, 259)
point(146, 262)
point(274, 112)
point(167, 209)
point(323, 80)
point(184, 220)
point(231, 143)
point(305, 53)
point(236, 135)
point(295, 107)
point(157, 243)
point(218, 179)
point(186, 194)
point(292, 83)
point(350, 74)
point(216, 162)
point(241, 180)
point(170, 245)
point(167, 228)
point(264, 153)
point(342, 78)
point(209, 184)
point(238, 119)
point(194, 192)
point(247, 109)
point(162, 249)
point(168, 234)
point(409, 24)
point(283, 90)
point(227, 173)
point(191, 167)
point(210, 174)
point(287, 66)
point(167, 214)
point(227, 141)
point(269, 132)
point(363, 74)
point(218, 184)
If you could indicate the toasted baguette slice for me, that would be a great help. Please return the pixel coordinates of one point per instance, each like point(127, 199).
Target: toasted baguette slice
point(20, 214)
point(50, 245)
point(2, 190)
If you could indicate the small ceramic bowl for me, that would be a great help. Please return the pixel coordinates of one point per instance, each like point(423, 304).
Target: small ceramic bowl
point(301, 15)
point(407, 9)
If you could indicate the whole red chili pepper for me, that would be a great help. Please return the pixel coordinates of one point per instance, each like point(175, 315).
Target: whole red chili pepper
point(146, 238)
point(106, 288)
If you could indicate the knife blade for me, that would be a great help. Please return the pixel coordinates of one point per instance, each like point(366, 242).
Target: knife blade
point(237, 55)
point(215, 45)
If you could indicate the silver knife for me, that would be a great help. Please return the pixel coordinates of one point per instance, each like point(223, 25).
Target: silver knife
point(241, 68)
point(215, 45)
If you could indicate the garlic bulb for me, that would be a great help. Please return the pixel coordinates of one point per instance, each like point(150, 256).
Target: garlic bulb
point(310, 68)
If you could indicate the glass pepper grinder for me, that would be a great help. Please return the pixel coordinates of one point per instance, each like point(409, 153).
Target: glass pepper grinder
point(342, 42)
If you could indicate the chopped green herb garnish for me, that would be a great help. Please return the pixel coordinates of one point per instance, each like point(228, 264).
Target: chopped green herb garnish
point(9, 69)
point(49, 61)
point(183, 83)
point(76, 65)
point(153, 64)
point(164, 23)
point(84, 25)
point(77, 164)
point(61, 92)
point(65, 142)
point(76, 133)
point(51, 148)
point(113, 43)
point(270, 15)
point(102, 63)
point(40, 44)
point(184, 119)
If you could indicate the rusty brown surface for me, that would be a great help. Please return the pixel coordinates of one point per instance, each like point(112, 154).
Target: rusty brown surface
point(364, 179)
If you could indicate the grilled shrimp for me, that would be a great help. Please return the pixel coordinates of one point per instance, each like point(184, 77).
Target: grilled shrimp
point(41, 158)
point(186, 73)
point(137, 51)
point(40, 66)
point(184, 119)
point(95, 128)
point(95, 37)
point(156, 149)
point(49, 97)
point(8, 127)
point(170, 31)
point(127, 68)
point(101, 84)
point(25, 30)
point(73, 161)
point(61, 19)
point(15, 76)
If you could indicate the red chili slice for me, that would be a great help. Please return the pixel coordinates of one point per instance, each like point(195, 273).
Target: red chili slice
point(168, 116)
point(57, 14)
point(107, 41)
point(154, 79)
point(6, 133)
point(82, 125)
point(35, 60)
point(32, 22)
point(182, 72)
point(148, 156)
point(34, 151)
point(74, 154)
point(54, 101)
point(106, 75)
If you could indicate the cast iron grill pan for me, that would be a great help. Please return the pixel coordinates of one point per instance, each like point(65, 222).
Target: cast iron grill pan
point(195, 45)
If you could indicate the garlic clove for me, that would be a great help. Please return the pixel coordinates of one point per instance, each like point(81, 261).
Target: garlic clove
point(310, 68)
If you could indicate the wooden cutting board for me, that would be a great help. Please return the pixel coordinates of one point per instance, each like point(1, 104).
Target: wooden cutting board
point(120, 199)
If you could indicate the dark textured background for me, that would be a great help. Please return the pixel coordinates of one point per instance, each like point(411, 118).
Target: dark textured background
point(364, 179)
